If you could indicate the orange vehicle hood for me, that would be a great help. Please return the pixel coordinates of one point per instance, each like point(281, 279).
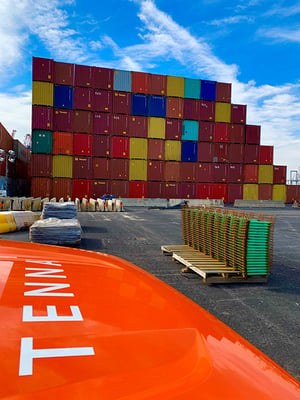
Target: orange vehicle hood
point(77, 324)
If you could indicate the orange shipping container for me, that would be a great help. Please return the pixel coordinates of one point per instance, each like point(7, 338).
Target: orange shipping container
point(62, 143)
point(62, 187)
point(41, 187)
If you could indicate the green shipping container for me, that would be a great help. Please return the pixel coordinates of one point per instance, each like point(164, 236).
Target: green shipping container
point(138, 148)
point(138, 170)
point(192, 88)
point(172, 150)
point(41, 141)
point(62, 166)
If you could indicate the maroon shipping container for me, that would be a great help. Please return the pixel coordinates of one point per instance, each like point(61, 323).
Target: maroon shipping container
point(220, 173)
point(204, 172)
point(137, 126)
point(187, 190)
point(235, 192)
point(207, 110)
point(41, 165)
point(140, 82)
point(206, 131)
point(62, 143)
point(42, 69)
point(235, 173)
point(252, 134)
point(83, 121)
point(222, 132)
point(237, 133)
point(63, 120)
point(6, 140)
point(100, 188)
point(102, 101)
point(292, 193)
point(266, 154)
point(156, 190)
point(119, 147)
point(265, 191)
point(83, 75)
point(205, 152)
point(155, 170)
point(172, 171)
point(82, 167)
point(103, 78)
point(120, 124)
point(101, 168)
point(122, 103)
point(41, 187)
point(250, 173)
point(238, 113)
point(191, 109)
point(203, 190)
point(220, 152)
point(157, 84)
point(156, 149)
point(188, 171)
point(120, 188)
point(172, 190)
point(251, 154)
point(174, 107)
point(119, 169)
point(83, 98)
point(82, 188)
point(62, 187)
point(223, 92)
point(236, 153)
point(173, 129)
point(102, 124)
point(219, 191)
point(82, 144)
point(137, 189)
point(279, 174)
point(20, 169)
point(63, 73)
point(101, 145)
point(42, 117)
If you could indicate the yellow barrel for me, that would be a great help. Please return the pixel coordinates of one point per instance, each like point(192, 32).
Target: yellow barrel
point(62, 166)
point(223, 112)
point(138, 148)
point(138, 170)
point(172, 150)
point(279, 193)
point(250, 191)
point(175, 86)
point(265, 174)
point(42, 93)
point(156, 128)
point(7, 222)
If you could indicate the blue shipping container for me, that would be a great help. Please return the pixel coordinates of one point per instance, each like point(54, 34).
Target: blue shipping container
point(189, 151)
point(157, 106)
point(63, 96)
point(139, 104)
point(192, 88)
point(208, 90)
point(190, 130)
point(122, 81)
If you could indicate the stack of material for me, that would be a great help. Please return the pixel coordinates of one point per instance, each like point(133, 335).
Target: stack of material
point(66, 210)
point(56, 231)
point(258, 254)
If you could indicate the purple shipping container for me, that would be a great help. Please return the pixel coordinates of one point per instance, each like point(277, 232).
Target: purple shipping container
point(101, 168)
point(187, 190)
point(191, 109)
point(235, 173)
point(188, 171)
point(103, 78)
point(237, 133)
point(63, 120)
point(252, 134)
point(102, 101)
point(235, 192)
point(236, 153)
point(83, 98)
point(155, 170)
point(205, 152)
point(238, 113)
point(41, 165)
point(251, 153)
point(173, 129)
point(82, 167)
point(101, 145)
point(102, 124)
point(279, 174)
point(138, 126)
point(83, 75)
point(172, 190)
point(100, 188)
point(156, 190)
point(204, 172)
point(220, 173)
point(42, 118)
point(206, 131)
point(207, 110)
point(120, 188)
point(42, 69)
point(83, 121)
point(122, 103)
point(63, 73)
point(119, 169)
point(119, 124)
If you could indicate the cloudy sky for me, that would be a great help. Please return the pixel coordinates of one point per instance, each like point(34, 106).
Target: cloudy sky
point(254, 44)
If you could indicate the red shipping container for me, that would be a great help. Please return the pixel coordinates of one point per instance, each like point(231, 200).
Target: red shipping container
point(220, 173)
point(6, 140)
point(206, 131)
point(173, 129)
point(83, 121)
point(235, 192)
point(122, 103)
point(155, 170)
point(2, 168)
point(82, 188)
point(62, 143)
point(41, 165)
point(42, 69)
point(203, 190)
point(138, 126)
point(219, 191)
point(265, 192)
point(120, 124)
point(292, 193)
point(204, 172)
point(251, 154)
point(191, 109)
point(205, 152)
point(101, 145)
point(279, 174)
point(100, 188)
point(137, 189)
point(120, 188)
point(266, 154)
point(103, 78)
point(156, 190)
point(140, 82)
point(223, 92)
point(172, 190)
point(82, 144)
point(101, 168)
point(250, 173)
point(83, 98)
point(63, 120)
point(187, 190)
point(120, 147)
point(156, 149)
point(222, 132)
point(172, 171)
point(237, 133)
point(235, 173)
point(207, 110)
point(41, 187)
point(63, 73)
point(252, 134)
point(188, 171)
point(62, 187)
point(82, 167)
point(102, 101)
point(119, 169)
point(238, 113)
point(220, 154)
point(157, 84)
point(174, 107)
point(83, 75)
point(42, 117)
point(102, 124)
point(236, 153)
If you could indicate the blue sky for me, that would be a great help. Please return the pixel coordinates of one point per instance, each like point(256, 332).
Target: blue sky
point(253, 44)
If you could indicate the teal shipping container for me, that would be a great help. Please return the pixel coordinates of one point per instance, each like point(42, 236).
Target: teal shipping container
point(122, 81)
point(192, 88)
point(41, 141)
point(190, 130)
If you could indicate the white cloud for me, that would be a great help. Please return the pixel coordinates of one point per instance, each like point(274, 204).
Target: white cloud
point(230, 20)
point(281, 34)
point(285, 11)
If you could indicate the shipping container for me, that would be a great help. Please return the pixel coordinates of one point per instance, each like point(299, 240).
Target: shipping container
point(6, 140)
point(204, 172)
point(251, 153)
point(82, 188)
point(265, 191)
point(62, 166)
point(279, 193)
point(266, 154)
point(292, 193)
point(138, 170)
point(157, 106)
point(82, 144)
point(252, 134)
point(238, 113)
point(101, 145)
point(82, 167)
point(119, 169)
point(207, 110)
point(208, 90)
point(140, 82)
point(63, 120)
point(189, 151)
point(203, 190)
point(172, 171)
point(83, 121)
point(42, 93)
point(42, 118)
point(62, 188)
point(173, 129)
point(138, 126)
point(41, 187)
point(192, 88)
point(235, 192)
point(41, 141)
point(157, 84)
point(119, 147)
point(187, 190)
point(101, 168)
point(83, 98)
point(223, 112)
point(205, 152)
point(220, 172)
point(265, 174)
point(219, 191)
point(175, 86)
point(191, 109)
point(222, 132)
point(279, 174)
point(100, 188)
point(102, 124)
point(235, 173)
point(206, 131)
point(41, 165)
point(63, 96)
point(103, 78)
point(220, 152)
point(138, 148)
point(103, 101)
point(83, 76)
point(122, 103)
point(20, 151)
point(156, 128)
point(122, 81)
point(188, 171)
point(120, 188)
point(250, 191)
point(120, 124)
point(223, 92)
point(137, 190)
point(155, 170)
point(172, 190)
point(21, 169)
point(139, 104)
point(172, 150)
point(156, 149)
point(190, 130)
point(63, 73)
point(237, 133)
point(42, 69)
point(156, 190)
point(174, 107)
point(250, 173)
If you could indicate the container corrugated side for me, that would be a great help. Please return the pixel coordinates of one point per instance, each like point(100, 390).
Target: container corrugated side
point(172, 150)
point(192, 88)
point(279, 193)
point(62, 187)
point(265, 174)
point(250, 191)
point(122, 80)
point(62, 166)
point(223, 112)
point(41, 141)
point(42, 93)
point(138, 170)
point(138, 148)
point(156, 128)
point(175, 86)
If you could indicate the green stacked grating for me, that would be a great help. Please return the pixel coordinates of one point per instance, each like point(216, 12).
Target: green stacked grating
point(258, 248)
point(194, 219)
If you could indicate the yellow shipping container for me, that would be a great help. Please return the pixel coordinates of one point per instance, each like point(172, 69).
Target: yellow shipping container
point(138, 148)
point(223, 112)
point(172, 150)
point(265, 174)
point(279, 193)
point(175, 86)
point(250, 191)
point(42, 93)
point(62, 166)
point(138, 170)
point(156, 128)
